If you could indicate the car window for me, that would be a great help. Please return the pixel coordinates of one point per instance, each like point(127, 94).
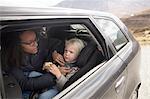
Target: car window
point(62, 30)
point(66, 31)
point(114, 33)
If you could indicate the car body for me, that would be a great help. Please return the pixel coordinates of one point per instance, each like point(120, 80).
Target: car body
point(114, 77)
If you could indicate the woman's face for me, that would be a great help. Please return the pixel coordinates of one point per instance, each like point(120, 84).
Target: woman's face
point(29, 42)
point(70, 53)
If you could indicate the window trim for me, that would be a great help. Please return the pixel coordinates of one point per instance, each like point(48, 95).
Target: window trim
point(88, 24)
point(108, 38)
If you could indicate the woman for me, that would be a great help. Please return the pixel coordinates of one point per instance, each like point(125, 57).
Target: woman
point(25, 60)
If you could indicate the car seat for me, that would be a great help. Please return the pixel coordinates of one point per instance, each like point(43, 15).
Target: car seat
point(89, 57)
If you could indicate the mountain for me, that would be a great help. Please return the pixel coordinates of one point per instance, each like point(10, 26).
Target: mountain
point(139, 25)
point(118, 7)
point(138, 22)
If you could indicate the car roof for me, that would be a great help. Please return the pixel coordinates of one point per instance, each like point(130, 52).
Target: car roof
point(12, 13)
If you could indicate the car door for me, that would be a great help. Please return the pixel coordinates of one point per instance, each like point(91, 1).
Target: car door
point(118, 43)
point(105, 81)
point(116, 90)
point(98, 83)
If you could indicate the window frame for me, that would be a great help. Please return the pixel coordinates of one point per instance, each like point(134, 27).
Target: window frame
point(112, 46)
point(86, 21)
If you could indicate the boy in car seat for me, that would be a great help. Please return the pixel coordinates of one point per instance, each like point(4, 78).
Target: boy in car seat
point(67, 62)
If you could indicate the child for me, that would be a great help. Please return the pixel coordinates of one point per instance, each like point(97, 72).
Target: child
point(67, 62)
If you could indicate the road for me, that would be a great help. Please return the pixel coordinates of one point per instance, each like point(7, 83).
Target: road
point(144, 92)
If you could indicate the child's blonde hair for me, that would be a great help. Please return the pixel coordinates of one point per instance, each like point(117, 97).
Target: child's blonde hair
point(77, 42)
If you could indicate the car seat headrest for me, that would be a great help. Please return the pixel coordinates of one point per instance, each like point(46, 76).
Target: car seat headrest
point(85, 54)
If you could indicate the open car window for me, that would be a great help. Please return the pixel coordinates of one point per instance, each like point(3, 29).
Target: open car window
point(64, 29)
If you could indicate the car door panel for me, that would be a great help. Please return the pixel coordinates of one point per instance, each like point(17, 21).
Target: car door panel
point(99, 82)
point(117, 87)
point(132, 59)
point(12, 88)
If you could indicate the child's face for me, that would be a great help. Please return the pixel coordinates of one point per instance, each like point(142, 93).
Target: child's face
point(70, 53)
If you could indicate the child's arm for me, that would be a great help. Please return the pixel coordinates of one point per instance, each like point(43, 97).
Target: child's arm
point(63, 79)
point(57, 71)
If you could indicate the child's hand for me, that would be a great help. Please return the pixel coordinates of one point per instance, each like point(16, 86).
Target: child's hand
point(47, 65)
point(50, 67)
point(54, 70)
point(58, 58)
point(65, 70)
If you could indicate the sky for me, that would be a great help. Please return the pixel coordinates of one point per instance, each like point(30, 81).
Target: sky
point(29, 3)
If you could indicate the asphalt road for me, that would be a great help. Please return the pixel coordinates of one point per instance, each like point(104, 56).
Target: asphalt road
point(144, 92)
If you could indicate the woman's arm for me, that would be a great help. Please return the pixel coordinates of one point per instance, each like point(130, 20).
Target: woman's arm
point(33, 83)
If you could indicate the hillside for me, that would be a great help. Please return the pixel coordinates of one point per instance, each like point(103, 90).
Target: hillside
point(118, 7)
point(139, 25)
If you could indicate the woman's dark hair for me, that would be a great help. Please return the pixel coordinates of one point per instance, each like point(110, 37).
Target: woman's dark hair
point(11, 50)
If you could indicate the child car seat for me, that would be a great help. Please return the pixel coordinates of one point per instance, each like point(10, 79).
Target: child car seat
point(89, 57)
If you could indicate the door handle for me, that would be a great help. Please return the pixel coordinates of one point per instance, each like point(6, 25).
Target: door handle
point(119, 84)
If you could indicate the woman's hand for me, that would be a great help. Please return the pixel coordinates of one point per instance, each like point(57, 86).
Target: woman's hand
point(58, 58)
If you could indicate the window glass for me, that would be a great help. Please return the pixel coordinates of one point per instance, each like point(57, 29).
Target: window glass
point(113, 32)
point(77, 26)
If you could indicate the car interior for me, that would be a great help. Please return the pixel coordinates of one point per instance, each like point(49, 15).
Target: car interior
point(91, 55)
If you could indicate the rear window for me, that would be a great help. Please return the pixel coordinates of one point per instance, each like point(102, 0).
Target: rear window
point(113, 32)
